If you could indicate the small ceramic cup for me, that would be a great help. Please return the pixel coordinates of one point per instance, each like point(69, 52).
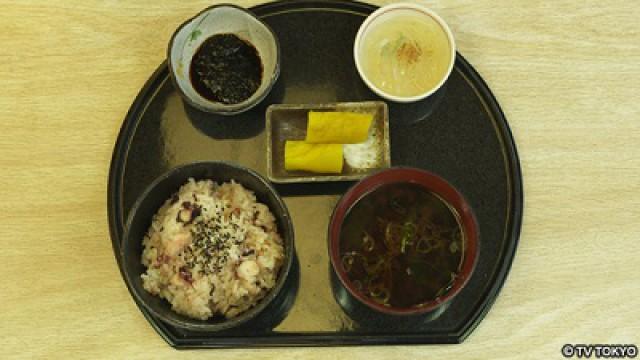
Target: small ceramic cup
point(379, 18)
point(222, 19)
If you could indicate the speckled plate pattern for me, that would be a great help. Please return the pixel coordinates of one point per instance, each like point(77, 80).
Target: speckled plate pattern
point(289, 122)
point(459, 133)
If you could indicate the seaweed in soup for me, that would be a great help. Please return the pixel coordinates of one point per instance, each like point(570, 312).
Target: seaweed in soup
point(401, 245)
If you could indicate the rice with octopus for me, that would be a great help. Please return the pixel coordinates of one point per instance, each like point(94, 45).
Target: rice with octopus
point(212, 249)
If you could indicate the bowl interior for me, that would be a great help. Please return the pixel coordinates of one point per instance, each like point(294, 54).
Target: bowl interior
point(386, 14)
point(152, 199)
point(430, 182)
point(222, 19)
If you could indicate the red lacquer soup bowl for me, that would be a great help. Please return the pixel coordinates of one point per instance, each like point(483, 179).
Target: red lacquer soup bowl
point(434, 185)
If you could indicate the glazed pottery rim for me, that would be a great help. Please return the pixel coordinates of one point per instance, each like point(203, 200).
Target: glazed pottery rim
point(434, 184)
point(288, 236)
point(222, 109)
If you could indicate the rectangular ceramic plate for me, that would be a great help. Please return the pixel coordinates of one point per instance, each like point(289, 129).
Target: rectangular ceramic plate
point(289, 122)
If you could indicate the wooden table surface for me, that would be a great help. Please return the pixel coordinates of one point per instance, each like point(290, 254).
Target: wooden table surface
point(566, 73)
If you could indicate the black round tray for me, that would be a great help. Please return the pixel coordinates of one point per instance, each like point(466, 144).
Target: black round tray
point(459, 133)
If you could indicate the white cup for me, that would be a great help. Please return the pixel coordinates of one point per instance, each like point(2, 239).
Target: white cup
point(378, 18)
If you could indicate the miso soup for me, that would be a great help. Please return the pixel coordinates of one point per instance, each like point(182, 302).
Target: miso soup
point(401, 246)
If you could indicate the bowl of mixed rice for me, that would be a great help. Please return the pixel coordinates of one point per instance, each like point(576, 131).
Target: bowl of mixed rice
point(207, 246)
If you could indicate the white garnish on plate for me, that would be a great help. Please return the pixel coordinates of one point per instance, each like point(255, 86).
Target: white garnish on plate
point(363, 155)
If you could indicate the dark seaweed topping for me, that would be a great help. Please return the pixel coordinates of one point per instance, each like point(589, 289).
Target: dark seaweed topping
point(226, 69)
